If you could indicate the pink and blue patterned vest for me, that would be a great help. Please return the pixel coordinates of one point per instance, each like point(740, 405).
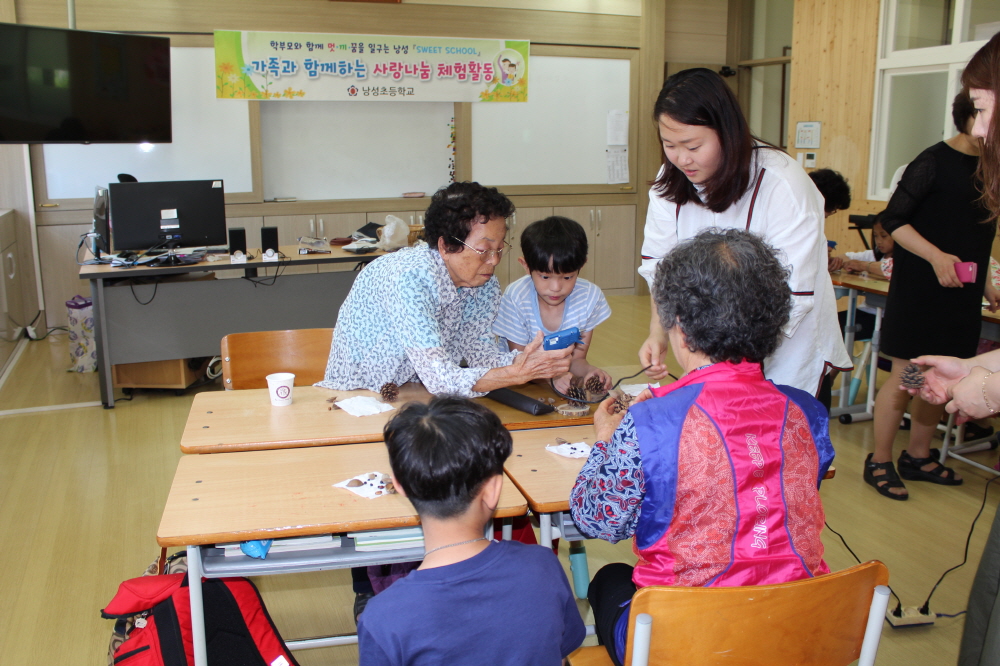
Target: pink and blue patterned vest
point(732, 465)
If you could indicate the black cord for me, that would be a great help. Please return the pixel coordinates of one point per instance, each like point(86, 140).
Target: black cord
point(606, 394)
point(156, 286)
point(899, 604)
point(268, 282)
point(926, 607)
point(131, 397)
point(49, 332)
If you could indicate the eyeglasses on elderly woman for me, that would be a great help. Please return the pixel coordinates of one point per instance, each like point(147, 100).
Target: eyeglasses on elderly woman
point(486, 255)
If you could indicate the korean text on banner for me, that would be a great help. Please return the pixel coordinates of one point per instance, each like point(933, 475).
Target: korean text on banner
point(306, 66)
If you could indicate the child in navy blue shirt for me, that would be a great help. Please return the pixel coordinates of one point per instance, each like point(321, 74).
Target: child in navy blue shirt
point(552, 297)
point(472, 601)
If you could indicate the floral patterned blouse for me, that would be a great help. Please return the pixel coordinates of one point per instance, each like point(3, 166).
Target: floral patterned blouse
point(405, 320)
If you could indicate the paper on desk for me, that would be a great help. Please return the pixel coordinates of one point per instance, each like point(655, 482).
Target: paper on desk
point(369, 485)
point(635, 389)
point(567, 450)
point(362, 405)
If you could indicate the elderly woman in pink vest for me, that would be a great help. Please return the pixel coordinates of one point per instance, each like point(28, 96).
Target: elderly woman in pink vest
point(716, 475)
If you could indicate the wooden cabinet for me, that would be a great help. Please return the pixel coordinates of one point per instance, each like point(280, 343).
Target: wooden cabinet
point(61, 281)
point(509, 269)
point(11, 309)
point(408, 216)
point(338, 225)
point(611, 237)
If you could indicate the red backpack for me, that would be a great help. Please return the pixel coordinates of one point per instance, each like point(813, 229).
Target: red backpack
point(238, 630)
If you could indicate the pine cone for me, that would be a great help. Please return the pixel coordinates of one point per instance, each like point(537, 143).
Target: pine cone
point(621, 403)
point(577, 396)
point(912, 377)
point(595, 384)
point(389, 392)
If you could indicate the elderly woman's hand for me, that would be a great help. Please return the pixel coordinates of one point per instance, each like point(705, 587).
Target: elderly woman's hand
point(536, 363)
point(605, 420)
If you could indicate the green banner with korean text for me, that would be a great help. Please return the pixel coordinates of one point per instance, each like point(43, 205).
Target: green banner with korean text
point(307, 66)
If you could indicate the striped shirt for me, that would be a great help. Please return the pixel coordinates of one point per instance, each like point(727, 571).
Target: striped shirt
point(519, 319)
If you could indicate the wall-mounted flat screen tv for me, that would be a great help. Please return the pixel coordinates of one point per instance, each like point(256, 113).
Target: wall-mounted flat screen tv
point(75, 86)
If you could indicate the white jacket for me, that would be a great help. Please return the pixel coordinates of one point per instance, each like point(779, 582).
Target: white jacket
point(784, 207)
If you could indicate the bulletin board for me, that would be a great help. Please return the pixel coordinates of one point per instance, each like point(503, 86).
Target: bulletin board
point(559, 136)
point(211, 140)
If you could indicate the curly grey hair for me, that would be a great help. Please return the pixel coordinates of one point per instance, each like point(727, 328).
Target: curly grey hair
point(728, 292)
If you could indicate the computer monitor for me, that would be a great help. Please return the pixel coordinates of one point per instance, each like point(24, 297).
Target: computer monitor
point(171, 214)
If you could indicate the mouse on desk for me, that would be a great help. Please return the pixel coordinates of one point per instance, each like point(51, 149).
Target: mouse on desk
point(128, 257)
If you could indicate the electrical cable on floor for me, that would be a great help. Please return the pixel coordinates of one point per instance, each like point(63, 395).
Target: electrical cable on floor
point(858, 559)
point(926, 607)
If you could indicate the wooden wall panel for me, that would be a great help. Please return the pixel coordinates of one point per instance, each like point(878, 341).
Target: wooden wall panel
point(179, 16)
point(622, 7)
point(834, 48)
point(696, 31)
point(7, 11)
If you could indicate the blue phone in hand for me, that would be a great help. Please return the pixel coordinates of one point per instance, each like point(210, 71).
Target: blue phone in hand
point(561, 339)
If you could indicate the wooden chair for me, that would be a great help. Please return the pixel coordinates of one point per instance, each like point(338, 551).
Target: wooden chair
point(247, 358)
point(824, 621)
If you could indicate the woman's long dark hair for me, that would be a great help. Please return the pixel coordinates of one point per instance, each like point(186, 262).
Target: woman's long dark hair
point(701, 97)
point(983, 72)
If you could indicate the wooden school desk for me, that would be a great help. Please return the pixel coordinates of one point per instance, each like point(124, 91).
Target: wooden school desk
point(875, 295)
point(222, 421)
point(282, 493)
point(168, 317)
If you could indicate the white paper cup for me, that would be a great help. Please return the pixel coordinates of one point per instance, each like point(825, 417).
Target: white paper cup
point(279, 387)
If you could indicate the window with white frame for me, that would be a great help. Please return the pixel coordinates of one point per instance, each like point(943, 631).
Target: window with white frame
point(923, 47)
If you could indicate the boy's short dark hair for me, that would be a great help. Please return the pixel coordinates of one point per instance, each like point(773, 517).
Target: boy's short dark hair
point(441, 453)
point(554, 245)
point(728, 292)
point(834, 188)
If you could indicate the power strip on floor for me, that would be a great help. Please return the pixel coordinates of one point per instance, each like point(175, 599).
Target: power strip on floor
point(910, 616)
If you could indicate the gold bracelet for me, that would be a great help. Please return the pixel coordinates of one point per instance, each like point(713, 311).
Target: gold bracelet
point(985, 401)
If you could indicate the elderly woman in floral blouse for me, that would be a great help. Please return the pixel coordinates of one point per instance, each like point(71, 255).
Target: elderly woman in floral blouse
point(416, 314)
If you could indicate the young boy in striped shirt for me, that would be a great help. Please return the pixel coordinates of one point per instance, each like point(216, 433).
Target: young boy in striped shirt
point(552, 297)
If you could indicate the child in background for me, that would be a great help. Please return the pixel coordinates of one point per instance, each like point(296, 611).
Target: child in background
point(877, 262)
point(472, 601)
point(552, 297)
point(834, 188)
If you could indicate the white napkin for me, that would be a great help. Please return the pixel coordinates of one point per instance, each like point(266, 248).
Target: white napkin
point(369, 485)
point(635, 389)
point(362, 405)
point(567, 450)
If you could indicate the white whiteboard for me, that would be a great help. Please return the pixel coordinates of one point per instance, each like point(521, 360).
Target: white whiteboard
point(355, 150)
point(211, 140)
point(557, 137)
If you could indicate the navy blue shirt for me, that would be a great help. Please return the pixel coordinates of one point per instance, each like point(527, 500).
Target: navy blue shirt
point(510, 604)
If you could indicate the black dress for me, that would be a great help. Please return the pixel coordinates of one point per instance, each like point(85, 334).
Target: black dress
point(938, 197)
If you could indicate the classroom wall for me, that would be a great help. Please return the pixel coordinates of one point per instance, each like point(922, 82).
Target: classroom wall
point(834, 47)
point(695, 31)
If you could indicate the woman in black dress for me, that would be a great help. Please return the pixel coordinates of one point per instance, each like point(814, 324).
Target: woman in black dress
point(936, 220)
